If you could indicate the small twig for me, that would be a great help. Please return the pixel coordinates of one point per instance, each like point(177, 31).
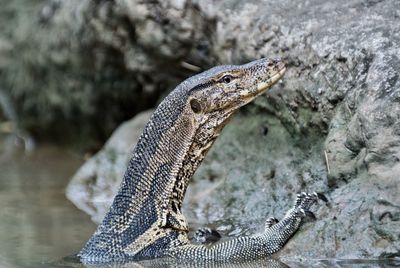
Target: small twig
point(327, 162)
point(7, 127)
point(191, 67)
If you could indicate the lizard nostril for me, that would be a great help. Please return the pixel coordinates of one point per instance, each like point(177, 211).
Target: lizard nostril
point(274, 62)
point(278, 61)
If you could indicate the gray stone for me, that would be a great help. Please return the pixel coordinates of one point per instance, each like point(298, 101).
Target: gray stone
point(333, 123)
point(94, 185)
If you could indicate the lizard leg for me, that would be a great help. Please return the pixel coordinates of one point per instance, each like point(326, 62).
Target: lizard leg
point(255, 246)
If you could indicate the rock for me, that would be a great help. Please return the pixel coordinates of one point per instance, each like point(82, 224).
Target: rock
point(74, 70)
point(332, 125)
point(94, 185)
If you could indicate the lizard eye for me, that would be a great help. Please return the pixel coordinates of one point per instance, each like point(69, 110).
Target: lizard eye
point(227, 78)
point(195, 105)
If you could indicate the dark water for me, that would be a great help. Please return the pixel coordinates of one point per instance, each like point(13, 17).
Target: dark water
point(39, 226)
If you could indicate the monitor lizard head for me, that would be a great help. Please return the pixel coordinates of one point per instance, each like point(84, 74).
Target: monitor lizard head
point(224, 89)
point(216, 94)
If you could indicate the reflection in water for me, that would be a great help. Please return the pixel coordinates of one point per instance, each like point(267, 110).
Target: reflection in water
point(37, 222)
point(266, 263)
point(171, 263)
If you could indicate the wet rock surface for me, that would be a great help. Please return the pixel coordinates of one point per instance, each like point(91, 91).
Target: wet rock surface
point(332, 125)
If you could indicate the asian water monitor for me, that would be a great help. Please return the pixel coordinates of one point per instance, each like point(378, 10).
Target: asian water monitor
point(145, 219)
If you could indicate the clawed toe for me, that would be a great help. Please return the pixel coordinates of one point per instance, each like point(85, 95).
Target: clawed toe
point(306, 200)
point(206, 235)
point(309, 214)
point(304, 213)
point(270, 222)
point(322, 197)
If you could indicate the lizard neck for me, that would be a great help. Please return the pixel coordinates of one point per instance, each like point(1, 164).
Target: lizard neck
point(168, 153)
point(153, 169)
point(203, 139)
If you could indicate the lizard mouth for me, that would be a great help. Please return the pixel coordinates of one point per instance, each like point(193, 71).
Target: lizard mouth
point(264, 85)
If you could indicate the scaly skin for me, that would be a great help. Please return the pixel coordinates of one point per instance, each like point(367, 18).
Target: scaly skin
point(145, 219)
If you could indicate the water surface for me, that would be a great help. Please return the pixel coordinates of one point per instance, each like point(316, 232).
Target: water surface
point(37, 223)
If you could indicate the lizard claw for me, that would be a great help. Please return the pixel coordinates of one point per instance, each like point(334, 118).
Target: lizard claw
point(306, 200)
point(309, 214)
point(270, 222)
point(304, 213)
point(206, 235)
point(322, 197)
